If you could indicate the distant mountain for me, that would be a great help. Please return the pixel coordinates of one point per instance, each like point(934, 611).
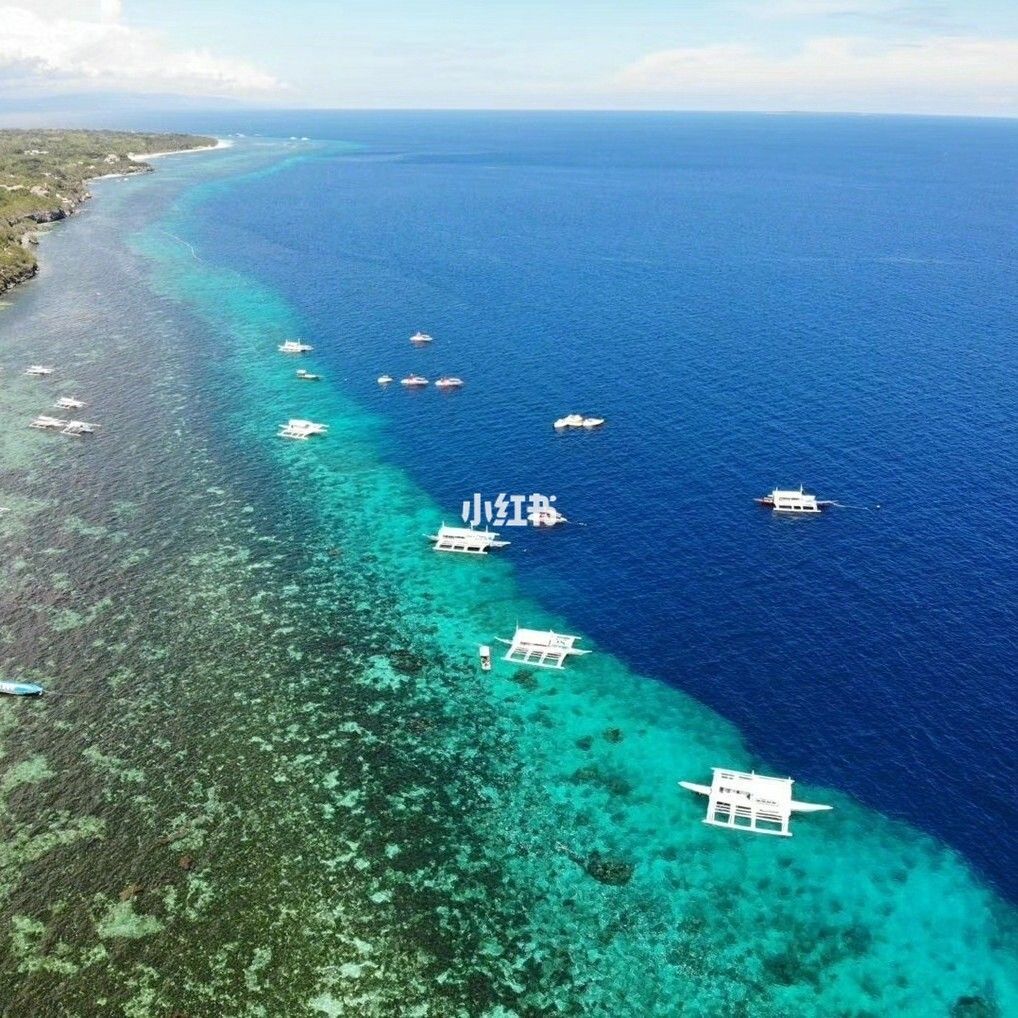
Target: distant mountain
point(101, 109)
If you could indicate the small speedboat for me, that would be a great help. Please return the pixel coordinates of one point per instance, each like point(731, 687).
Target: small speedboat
point(38, 371)
point(448, 382)
point(413, 381)
point(20, 689)
point(66, 403)
point(421, 337)
point(307, 376)
point(546, 517)
point(485, 654)
point(384, 379)
point(593, 422)
point(569, 421)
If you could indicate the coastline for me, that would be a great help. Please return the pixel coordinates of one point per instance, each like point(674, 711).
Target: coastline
point(18, 264)
point(144, 157)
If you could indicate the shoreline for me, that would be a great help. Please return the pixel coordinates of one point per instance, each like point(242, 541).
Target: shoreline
point(143, 157)
point(23, 229)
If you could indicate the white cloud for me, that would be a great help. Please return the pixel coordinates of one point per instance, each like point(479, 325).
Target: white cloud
point(945, 74)
point(110, 10)
point(923, 15)
point(47, 44)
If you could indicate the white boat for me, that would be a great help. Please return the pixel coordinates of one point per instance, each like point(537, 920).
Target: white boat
point(484, 651)
point(541, 648)
point(466, 540)
point(307, 376)
point(44, 422)
point(789, 500)
point(38, 370)
point(413, 381)
point(421, 337)
point(66, 403)
point(75, 429)
point(448, 382)
point(295, 346)
point(20, 688)
point(569, 421)
point(384, 379)
point(578, 421)
point(745, 801)
point(549, 516)
point(301, 429)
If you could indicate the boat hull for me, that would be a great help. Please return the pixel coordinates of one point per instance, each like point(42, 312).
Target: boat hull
point(20, 689)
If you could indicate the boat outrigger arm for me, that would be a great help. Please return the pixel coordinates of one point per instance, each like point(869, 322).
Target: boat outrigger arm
point(747, 801)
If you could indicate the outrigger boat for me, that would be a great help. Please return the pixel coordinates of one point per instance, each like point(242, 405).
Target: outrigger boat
point(541, 648)
point(75, 429)
point(466, 540)
point(308, 376)
point(300, 429)
point(789, 500)
point(421, 337)
point(20, 689)
point(746, 801)
point(45, 422)
point(78, 428)
point(295, 346)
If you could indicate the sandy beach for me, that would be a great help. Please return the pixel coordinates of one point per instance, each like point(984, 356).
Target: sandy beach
point(144, 157)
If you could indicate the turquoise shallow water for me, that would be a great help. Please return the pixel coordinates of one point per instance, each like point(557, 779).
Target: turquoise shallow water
point(748, 300)
point(272, 780)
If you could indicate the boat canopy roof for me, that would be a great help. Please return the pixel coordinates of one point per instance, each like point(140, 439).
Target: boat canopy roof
point(541, 647)
point(750, 801)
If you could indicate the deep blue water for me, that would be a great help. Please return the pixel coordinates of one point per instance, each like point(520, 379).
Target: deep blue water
point(750, 301)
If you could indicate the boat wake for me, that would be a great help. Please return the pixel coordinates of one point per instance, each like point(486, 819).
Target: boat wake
point(190, 247)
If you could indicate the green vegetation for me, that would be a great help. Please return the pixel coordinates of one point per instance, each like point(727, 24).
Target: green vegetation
point(43, 177)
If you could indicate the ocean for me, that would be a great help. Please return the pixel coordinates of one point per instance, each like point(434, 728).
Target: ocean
point(272, 779)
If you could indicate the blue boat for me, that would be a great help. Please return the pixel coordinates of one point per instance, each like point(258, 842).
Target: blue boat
point(20, 689)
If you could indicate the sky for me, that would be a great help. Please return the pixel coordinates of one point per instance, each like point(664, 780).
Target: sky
point(867, 56)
